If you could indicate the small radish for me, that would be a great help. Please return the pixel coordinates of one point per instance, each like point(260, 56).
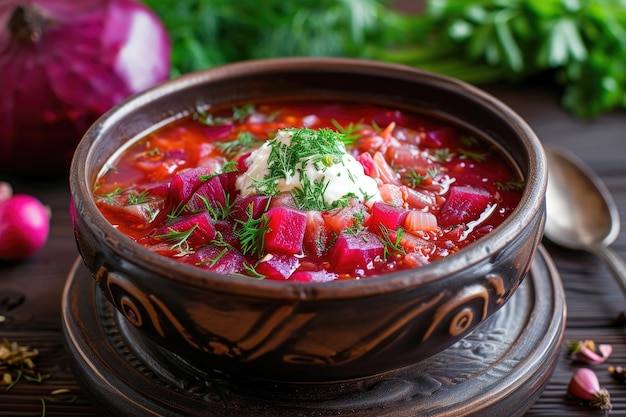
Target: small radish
point(24, 226)
point(6, 191)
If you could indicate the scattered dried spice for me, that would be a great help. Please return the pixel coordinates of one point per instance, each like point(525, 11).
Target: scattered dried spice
point(588, 352)
point(16, 363)
point(618, 373)
point(585, 386)
point(62, 395)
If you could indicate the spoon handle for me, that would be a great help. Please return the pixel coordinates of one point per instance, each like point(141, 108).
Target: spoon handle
point(615, 264)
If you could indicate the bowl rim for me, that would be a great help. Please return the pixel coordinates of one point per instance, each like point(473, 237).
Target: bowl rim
point(476, 252)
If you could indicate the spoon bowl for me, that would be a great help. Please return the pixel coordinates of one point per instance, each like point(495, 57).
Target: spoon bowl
point(581, 212)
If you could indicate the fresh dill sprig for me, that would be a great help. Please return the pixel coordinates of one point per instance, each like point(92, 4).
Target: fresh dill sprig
point(110, 197)
point(350, 133)
point(476, 156)
point(178, 239)
point(443, 155)
point(392, 245)
point(414, 178)
point(310, 196)
point(239, 114)
point(251, 270)
point(251, 233)
point(141, 198)
point(510, 185)
point(244, 141)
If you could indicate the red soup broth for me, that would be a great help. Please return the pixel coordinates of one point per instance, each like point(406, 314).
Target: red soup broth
point(433, 189)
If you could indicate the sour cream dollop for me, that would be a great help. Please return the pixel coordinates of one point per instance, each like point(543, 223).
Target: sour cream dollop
point(338, 173)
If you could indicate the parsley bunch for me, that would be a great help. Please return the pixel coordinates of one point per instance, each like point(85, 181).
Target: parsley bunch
point(580, 43)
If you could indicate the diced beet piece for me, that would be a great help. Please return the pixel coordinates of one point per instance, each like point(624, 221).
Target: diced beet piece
point(222, 260)
point(226, 229)
point(185, 183)
point(388, 215)
point(278, 267)
point(228, 180)
point(313, 276)
point(464, 203)
point(286, 230)
point(212, 191)
point(241, 207)
point(352, 252)
point(203, 232)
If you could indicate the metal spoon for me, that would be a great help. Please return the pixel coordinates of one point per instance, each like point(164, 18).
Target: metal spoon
point(581, 213)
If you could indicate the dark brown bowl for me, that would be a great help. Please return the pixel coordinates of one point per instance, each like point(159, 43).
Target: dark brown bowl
point(295, 332)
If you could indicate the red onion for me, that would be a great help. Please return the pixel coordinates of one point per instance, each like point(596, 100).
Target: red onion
point(584, 385)
point(24, 226)
point(62, 64)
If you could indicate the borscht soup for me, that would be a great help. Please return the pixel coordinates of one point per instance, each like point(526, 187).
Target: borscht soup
point(308, 191)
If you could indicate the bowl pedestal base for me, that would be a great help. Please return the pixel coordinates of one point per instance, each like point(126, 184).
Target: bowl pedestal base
point(500, 368)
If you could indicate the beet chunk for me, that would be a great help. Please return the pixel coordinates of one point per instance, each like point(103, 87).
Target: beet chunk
point(353, 252)
point(286, 227)
point(388, 215)
point(201, 223)
point(278, 267)
point(223, 260)
point(464, 203)
point(184, 184)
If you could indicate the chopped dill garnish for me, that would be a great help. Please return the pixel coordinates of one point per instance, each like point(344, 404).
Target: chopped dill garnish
point(141, 198)
point(311, 195)
point(510, 185)
point(251, 270)
point(357, 226)
point(239, 114)
point(219, 211)
point(476, 156)
point(392, 244)
point(443, 155)
point(350, 133)
point(251, 233)
point(244, 141)
point(177, 211)
point(110, 196)
point(414, 178)
point(469, 140)
point(178, 239)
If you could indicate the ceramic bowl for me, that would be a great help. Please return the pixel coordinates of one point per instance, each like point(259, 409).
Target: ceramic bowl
point(308, 332)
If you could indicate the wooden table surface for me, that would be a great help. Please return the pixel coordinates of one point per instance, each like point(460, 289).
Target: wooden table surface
point(30, 291)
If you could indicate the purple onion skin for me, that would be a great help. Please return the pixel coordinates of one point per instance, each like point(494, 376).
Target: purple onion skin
point(93, 55)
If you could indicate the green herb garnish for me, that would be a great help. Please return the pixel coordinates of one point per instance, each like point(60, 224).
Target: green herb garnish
point(244, 141)
point(392, 244)
point(178, 239)
point(476, 156)
point(510, 185)
point(251, 233)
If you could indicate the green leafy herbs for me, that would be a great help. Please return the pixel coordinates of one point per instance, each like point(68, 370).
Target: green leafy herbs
point(244, 141)
point(511, 185)
point(251, 233)
point(323, 148)
point(580, 45)
point(178, 239)
point(474, 155)
point(239, 114)
point(414, 179)
point(392, 241)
